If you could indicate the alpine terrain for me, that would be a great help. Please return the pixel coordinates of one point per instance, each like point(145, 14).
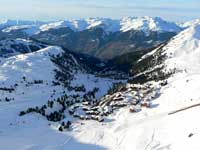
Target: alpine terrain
point(100, 84)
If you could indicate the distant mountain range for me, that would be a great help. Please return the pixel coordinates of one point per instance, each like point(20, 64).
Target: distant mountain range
point(109, 25)
point(103, 38)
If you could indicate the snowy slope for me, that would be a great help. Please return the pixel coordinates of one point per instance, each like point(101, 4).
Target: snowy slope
point(155, 129)
point(19, 73)
point(28, 65)
point(150, 129)
point(182, 54)
point(190, 23)
point(148, 24)
point(183, 51)
point(8, 23)
point(26, 68)
point(29, 29)
point(107, 24)
point(56, 25)
point(11, 47)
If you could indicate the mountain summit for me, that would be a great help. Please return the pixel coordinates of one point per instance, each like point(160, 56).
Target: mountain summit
point(184, 50)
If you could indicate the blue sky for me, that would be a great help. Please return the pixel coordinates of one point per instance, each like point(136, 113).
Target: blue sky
point(175, 10)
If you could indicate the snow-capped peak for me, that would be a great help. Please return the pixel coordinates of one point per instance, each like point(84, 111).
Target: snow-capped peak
point(112, 25)
point(83, 24)
point(190, 23)
point(34, 65)
point(109, 25)
point(55, 25)
point(8, 23)
point(147, 23)
point(51, 50)
point(184, 50)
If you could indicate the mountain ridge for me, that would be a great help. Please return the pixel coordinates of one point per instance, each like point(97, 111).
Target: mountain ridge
point(125, 24)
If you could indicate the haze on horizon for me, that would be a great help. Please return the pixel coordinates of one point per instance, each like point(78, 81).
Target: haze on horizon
point(46, 10)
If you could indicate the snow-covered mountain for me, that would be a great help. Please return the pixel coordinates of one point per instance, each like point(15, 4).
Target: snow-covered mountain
point(48, 66)
point(179, 57)
point(8, 23)
point(11, 47)
point(99, 37)
point(190, 23)
point(183, 51)
point(30, 66)
point(176, 130)
point(172, 123)
point(155, 109)
point(146, 24)
point(47, 74)
point(28, 29)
